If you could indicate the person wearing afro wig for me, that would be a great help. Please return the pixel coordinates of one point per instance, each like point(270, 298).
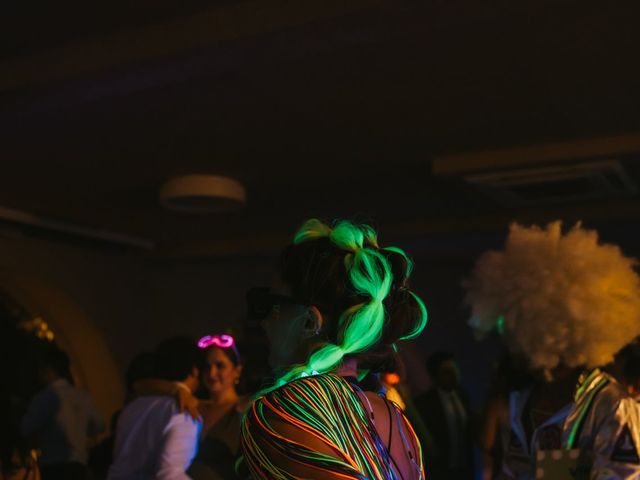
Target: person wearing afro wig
point(566, 304)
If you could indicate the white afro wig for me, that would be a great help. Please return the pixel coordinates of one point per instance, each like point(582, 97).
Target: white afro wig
point(558, 299)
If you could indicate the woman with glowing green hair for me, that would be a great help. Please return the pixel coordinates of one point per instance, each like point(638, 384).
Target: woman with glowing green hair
point(336, 312)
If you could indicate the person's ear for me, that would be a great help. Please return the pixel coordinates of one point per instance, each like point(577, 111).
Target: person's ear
point(314, 322)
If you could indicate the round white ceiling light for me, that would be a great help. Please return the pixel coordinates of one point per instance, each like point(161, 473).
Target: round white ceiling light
point(202, 194)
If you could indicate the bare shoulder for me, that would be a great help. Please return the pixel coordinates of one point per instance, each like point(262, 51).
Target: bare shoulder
point(380, 410)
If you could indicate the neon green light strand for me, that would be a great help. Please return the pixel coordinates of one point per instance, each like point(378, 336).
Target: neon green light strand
point(422, 321)
point(424, 317)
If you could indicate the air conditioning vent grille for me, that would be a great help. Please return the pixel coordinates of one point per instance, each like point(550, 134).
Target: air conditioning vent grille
point(556, 183)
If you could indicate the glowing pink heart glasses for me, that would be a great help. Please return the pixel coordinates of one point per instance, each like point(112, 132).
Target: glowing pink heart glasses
point(222, 341)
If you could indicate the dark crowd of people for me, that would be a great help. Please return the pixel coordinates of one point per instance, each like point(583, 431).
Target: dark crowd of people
point(334, 402)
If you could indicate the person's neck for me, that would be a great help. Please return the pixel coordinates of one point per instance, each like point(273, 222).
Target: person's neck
point(349, 368)
point(224, 397)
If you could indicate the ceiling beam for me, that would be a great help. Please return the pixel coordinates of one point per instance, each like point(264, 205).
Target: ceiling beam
point(73, 230)
point(537, 154)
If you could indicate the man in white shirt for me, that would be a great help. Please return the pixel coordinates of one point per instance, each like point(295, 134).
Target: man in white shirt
point(60, 419)
point(153, 439)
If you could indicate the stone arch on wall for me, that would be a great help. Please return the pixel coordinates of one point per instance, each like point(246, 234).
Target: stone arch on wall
point(92, 362)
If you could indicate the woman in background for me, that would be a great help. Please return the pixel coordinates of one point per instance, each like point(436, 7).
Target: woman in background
point(221, 410)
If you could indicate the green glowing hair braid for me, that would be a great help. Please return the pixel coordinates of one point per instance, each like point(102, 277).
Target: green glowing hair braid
point(424, 317)
point(369, 271)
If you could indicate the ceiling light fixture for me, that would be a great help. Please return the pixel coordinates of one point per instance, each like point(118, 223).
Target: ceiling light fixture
point(202, 194)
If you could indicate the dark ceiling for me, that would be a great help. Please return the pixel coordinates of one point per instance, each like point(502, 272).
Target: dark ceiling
point(319, 109)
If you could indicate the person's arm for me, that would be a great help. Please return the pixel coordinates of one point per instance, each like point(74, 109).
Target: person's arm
point(488, 434)
point(179, 447)
point(184, 398)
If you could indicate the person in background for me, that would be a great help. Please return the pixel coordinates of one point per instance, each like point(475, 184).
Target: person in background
point(509, 374)
point(390, 382)
point(631, 372)
point(154, 440)
point(444, 408)
point(101, 455)
point(217, 403)
point(60, 419)
point(566, 304)
point(17, 460)
point(222, 409)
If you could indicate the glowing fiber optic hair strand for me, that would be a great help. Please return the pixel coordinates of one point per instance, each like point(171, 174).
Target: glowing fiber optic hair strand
point(424, 317)
point(370, 276)
point(312, 229)
point(326, 410)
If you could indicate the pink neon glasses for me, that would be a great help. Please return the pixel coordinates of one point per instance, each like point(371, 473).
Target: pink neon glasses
point(222, 341)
